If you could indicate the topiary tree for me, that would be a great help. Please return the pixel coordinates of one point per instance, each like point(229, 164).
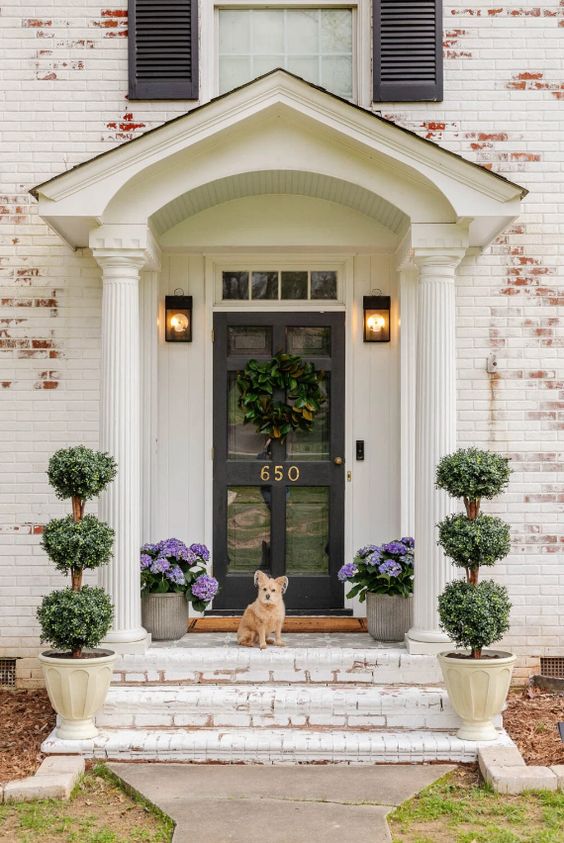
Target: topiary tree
point(474, 614)
point(80, 616)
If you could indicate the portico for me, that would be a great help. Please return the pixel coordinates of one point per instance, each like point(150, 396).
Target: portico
point(281, 168)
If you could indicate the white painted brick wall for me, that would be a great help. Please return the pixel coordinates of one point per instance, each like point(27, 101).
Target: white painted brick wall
point(64, 100)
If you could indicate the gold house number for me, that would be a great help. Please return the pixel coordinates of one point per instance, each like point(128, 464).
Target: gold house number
point(292, 474)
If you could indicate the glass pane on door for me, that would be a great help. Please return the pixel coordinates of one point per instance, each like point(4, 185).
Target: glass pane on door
point(309, 342)
point(313, 444)
point(307, 530)
point(248, 527)
point(243, 441)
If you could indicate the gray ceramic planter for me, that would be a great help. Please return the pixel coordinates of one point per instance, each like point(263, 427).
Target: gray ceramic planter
point(389, 616)
point(165, 616)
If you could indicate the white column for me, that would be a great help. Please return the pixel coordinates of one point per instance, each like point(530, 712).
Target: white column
point(408, 355)
point(149, 307)
point(435, 436)
point(120, 504)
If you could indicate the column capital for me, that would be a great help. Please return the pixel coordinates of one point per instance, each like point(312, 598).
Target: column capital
point(125, 245)
point(407, 269)
point(438, 259)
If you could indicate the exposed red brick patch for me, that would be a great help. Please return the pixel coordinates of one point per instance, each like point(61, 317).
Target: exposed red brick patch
point(124, 128)
point(5, 384)
point(534, 81)
point(36, 23)
point(485, 140)
point(113, 21)
point(452, 44)
point(27, 527)
point(48, 379)
point(497, 11)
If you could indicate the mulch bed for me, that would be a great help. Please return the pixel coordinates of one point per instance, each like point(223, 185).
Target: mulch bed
point(531, 719)
point(26, 718)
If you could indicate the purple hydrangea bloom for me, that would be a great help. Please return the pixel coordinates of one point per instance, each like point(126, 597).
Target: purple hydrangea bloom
point(146, 561)
point(176, 576)
point(205, 588)
point(347, 571)
point(367, 550)
point(201, 551)
point(173, 548)
point(161, 565)
point(150, 548)
point(390, 567)
point(374, 558)
point(396, 548)
point(408, 541)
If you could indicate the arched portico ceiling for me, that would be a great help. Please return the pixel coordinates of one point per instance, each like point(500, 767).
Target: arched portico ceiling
point(280, 182)
point(326, 147)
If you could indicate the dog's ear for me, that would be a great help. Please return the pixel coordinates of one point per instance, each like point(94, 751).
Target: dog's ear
point(260, 576)
point(283, 582)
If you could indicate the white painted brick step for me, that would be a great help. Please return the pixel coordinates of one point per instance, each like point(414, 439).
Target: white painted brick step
point(270, 746)
point(302, 665)
point(197, 706)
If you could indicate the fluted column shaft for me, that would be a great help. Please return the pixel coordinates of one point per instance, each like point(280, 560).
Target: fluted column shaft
point(435, 436)
point(120, 504)
point(408, 352)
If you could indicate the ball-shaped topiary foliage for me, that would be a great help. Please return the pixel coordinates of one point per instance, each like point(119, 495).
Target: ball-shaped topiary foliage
point(80, 472)
point(78, 544)
point(473, 474)
point(470, 544)
point(73, 620)
point(474, 616)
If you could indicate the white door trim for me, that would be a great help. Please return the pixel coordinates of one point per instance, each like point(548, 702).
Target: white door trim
point(345, 264)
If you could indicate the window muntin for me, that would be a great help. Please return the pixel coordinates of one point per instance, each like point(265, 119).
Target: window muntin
point(260, 285)
point(316, 44)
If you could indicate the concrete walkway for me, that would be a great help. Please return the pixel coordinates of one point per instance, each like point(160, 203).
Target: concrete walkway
point(309, 804)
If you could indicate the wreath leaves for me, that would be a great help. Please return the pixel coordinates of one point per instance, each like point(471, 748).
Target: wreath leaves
point(260, 381)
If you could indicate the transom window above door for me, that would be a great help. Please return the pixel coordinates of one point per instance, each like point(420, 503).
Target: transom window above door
point(279, 285)
point(316, 44)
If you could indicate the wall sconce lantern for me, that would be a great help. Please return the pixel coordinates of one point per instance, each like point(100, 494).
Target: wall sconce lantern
point(178, 317)
point(376, 318)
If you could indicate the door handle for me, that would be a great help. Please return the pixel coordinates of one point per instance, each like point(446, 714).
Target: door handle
point(338, 460)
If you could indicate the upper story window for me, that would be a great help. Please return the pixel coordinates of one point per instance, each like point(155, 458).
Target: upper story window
point(316, 44)
point(371, 51)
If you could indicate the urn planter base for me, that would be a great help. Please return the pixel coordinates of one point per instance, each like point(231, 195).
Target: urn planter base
point(389, 616)
point(165, 616)
point(477, 689)
point(77, 689)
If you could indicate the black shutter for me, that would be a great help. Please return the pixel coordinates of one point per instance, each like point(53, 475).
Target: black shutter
point(408, 50)
point(163, 49)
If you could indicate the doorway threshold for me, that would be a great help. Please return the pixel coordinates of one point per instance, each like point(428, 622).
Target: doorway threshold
point(293, 623)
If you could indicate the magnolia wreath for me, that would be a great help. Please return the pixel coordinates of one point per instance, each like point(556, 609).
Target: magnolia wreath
point(260, 382)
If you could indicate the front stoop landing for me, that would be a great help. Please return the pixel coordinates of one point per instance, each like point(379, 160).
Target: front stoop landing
point(363, 704)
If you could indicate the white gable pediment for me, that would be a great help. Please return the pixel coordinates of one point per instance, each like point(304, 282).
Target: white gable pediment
point(276, 124)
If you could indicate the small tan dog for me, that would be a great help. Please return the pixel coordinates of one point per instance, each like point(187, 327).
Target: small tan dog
point(265, 616)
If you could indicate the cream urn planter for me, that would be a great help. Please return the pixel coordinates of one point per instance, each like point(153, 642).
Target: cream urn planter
point(77, 689)
point(477, 689)
point(389, 616)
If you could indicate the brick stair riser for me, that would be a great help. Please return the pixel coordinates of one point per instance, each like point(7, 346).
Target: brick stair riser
point(274, 747)
point(283, 706)
point(302, 666)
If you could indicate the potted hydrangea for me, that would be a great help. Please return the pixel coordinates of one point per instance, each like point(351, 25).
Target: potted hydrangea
point(475, 613)
point(75, 620)
point(172, 575)
point(383, 576)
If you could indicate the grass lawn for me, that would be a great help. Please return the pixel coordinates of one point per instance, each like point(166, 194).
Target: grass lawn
point(97, 812)
point(458, 809)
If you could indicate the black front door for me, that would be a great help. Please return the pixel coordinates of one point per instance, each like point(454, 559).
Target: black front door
point(279, 507)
